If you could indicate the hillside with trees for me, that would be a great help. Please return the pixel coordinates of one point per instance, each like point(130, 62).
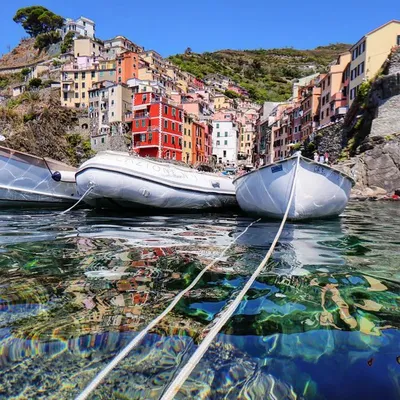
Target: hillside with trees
point(266, 74)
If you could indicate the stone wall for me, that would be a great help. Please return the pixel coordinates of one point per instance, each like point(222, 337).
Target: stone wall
point(115, 143)
point(330, 139)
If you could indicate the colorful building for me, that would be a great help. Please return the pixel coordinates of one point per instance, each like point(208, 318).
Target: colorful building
point(225, 138)
point(310, 100)
point(127, 66)
point(157, 126)
point(333, 94)
point(369, 54)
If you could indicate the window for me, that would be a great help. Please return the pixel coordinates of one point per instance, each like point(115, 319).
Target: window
point(83, 95)
point(173, 112)
point(225, 142)
point(217, 142)
point(173, 139)
point(76, 75)
point(165, 138)
point(137, 124)
point(143, 123)
point(102, 140)
point(180, 142)
point(143, 137)
point(217, 126)
point(226, 134)
point(180, 115)
point(248, 137)
point(329, 80)
point(173, 126)
point(184, 143)
point(112, 102)
point(150, 137)
point(119, 70)
point(165, 109)
point(76, 85)
point(76, 95)
point(83, 75)
point(322, 115)
point(119, 80)
point(184, 131)
point(362, 67)
point(327, 112)
point(190, 145)
point(218, 134)
point(180, 128)
point(224, 153)
point(93, 74)
point(165, 124)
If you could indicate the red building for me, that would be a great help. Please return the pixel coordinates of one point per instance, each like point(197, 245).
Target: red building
point(157, 127)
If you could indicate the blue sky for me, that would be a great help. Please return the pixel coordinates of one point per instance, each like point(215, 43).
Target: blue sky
point(207, 25)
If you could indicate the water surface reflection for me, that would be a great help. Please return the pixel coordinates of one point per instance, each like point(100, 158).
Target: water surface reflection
point(320, 322)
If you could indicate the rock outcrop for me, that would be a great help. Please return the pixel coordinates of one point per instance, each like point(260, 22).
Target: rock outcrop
point(376, 164)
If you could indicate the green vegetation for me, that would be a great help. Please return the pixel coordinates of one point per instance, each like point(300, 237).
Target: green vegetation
point(68, 42)
point(37, 20)
point(44, 40)
point(266, 74)
point(34, 83)
point(76, 141)
point(231, 94)
point(25, 71)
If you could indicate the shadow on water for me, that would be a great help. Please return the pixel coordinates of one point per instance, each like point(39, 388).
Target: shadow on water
point(74, 289)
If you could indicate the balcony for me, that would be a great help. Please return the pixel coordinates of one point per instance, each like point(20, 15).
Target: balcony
point(141, 115)
point(67, 88)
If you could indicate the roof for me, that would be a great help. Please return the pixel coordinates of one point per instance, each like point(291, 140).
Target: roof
point(396, 21)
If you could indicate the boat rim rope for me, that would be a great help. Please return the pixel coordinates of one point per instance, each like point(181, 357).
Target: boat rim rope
point(90, 188)
point(188, 368)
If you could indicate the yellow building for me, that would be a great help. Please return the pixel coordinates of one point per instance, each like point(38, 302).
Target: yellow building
point(187, 138)
point(87, 47)
point(221, 102)
point(370, 52)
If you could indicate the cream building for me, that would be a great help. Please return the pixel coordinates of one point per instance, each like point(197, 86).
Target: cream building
point(87, 47)
point(187, 138)
point(370, 52)
point(78, 78)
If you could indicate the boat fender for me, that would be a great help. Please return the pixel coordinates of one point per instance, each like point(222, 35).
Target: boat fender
point(215, 184)
point(64, 176)
point(145, 192)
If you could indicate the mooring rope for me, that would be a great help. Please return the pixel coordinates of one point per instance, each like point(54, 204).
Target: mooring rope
point(205, 344)
point(137, 339)
point(91, 187)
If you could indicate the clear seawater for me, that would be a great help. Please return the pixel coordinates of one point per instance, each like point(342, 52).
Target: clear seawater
point(321, 322)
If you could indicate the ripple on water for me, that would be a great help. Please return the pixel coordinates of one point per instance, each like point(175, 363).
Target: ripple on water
point(74, 289)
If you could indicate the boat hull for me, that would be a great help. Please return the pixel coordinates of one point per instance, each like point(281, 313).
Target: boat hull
point(320, 190)
point(123, 181)
point(26, 181)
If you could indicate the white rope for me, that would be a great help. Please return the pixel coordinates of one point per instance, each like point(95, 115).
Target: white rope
point(84, 195)
point(205, 344)
point(136, 340)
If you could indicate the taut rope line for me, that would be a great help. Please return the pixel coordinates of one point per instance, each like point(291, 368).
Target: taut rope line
point(205, 344)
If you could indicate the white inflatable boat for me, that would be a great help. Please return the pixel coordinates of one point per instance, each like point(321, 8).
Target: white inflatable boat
point(27, 180)
point(320, 191)
point(116, 179)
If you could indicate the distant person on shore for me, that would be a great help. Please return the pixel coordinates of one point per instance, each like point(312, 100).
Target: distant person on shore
point(326, 156)
point(321, 158)
point(316, 156)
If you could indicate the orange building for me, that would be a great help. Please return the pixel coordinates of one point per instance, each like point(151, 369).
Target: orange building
point(198, 143)
point(127, 66)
